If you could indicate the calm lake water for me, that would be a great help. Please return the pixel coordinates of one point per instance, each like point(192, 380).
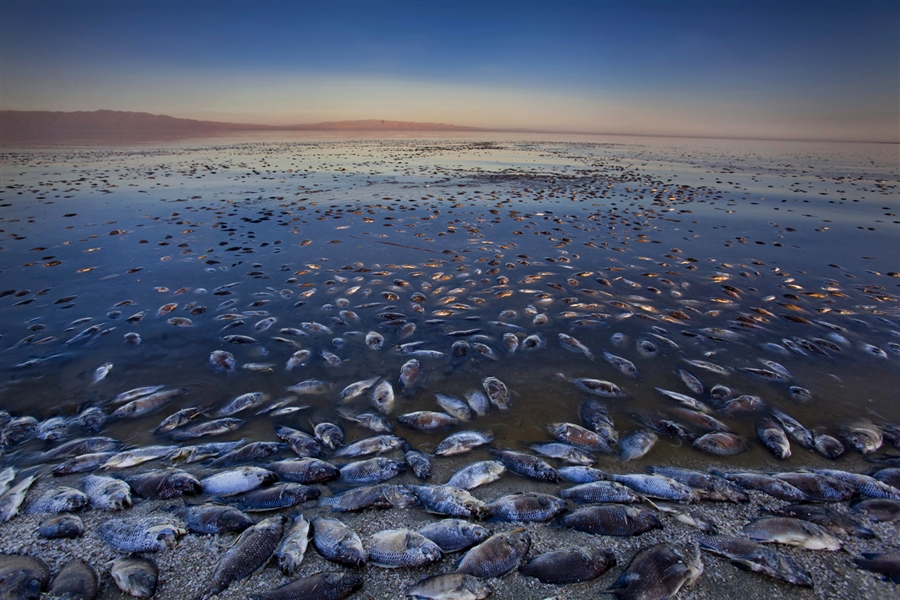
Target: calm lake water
point(723, 251)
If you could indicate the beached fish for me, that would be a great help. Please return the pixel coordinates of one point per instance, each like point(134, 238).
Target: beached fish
point(63, 525)
point(580, 474)
point(304, 470)
point(449, 500)
point(879, 510)
point(656, 486)
point(580, 437)
point(147, 404)
point(595, 416)
point(773, 438)
point(454, 406)
point(212, 519)
point(410, 374)
point(449, 586)
point(564, 452)
point(600, 491)
point(659, 572)
point(453, 535)
point(887, 564)
point(137, 456)
point(164, 484)
point(721, 444)
point(793, 532)
point(830, 519)
point(235, 481)
point(373, 470)
point(252, 550)
point(393, 548)
point(135, 576)
point(275, 497)
point(11, 501)
point(526, 465)
point(819, 488)
point(772, 486)
point(57, 500)
point(569, 565)
point(372, 445)
point(757, 558)
point(865, 485)
point(526, 506)
point(76, 580)
point(106, 493)
point(337, 542)
point(381, 496)
point(419, 462)
point(145, 534)
point(324, 586)
point(611, 519)
point(708, 487)
point(496, 556)
point(863, 435)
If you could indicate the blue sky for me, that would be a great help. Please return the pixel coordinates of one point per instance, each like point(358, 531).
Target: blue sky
point(822, 70)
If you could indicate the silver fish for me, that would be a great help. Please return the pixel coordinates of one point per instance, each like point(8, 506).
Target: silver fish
point(581, 474)
point(178, 419)
point(656, 486)
point(242, 403)
point(708, 366)
point(478, 402)
point(863, 435)
point(449, 500)
point(383, 397)
point(216, 427)
point(137, 456)
point(373, 470)
point(106, 493)
point(449, 586)
point(147, 534)
point(252, 550)
point(235, 481)
point(569, 565)
point(658, 572)
point(292, 549)
point(496, 556)
point(773, 438)
point(755, 557)
point(793, 532)
point(393, 548)
point(453, 535)
point(691, 381)
point(689, 517)
point(600, 491)
point(455, 406)
point(357, 389)
point(887, 564)
point(147, 404)
point(164, 484)
point(526, 465)
point(135, 576)
point(410, 374)
point(22, 577)
point(337, 542)
point(636, 444)
point(625, 366)
point(419, 462)
point(11, 501)
point(565, 452)
point(708, 486)
point(372, 445)
point(526, 506)
point(57, 500)
point(611, 519)
point(578, 436)
point(865, 485)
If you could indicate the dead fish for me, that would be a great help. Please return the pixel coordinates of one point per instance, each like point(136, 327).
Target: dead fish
point(57, 500)
point(863, 435)
point(393, 548)
point(215, 427)
point(526, 465)
point(371, 421)
point(708, 486)
point(381, 496)
point(329, 434)
point(135, 576)
point(275, 497)
point(164, 484)
point(427, 420)
point(298, 358)
point(371, 445)
point(410, 374)
point(137, 456)
point(656, 486)
point(357, 389)
point(148, 404)
point(147, 534)
point(864, 485)
point(63, 525)
point(773, 438)
point(252, 550)
point(600, 491)
point(178, 419)
point(611, 519)
point(478, 402)
point(209, 519)
point(463, 441)
point(819, 488)
point(455, 406)
point(325, 585)
point(235, 481)
point(792, 532)
point(198, 452)
point(242, 403)
point(419, 463)
point(101, 372)
point(305, 470)
point(76, 580)
point(659, 572)
point(708, 366)
point(383, 397)
point(373, 470)
point(497, 392)
point(879, 510)
point(793, 427)
point(832, 520)
point(887, 564)
point(636, 444)
point(449, 586)
point(597, 387)
point(496, 556)
point(625, 366)
point(720, 444)
point(310, 387)
point(569, 565)
point(106, 493)
point(526, 506)
point(580, 437)
point(564, 452)
point(766, 374)
point(754, 557)
point(510, 342)
point(744, 405)
point(449, 500)
point(453, 535)
point(685, 401)
point(22, 577)
point(337, 542)
point(772, 486)
point(691, 381)
point(136, 393)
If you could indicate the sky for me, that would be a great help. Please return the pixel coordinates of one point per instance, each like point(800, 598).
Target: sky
point(783, 70)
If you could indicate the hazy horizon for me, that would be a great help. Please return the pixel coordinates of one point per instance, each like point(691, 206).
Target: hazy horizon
point(799, 70)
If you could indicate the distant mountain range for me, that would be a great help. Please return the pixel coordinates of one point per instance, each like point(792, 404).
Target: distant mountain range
point(16, 125)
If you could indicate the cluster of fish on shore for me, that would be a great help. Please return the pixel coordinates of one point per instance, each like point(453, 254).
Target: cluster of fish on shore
point(220, 492)
point(272, 412)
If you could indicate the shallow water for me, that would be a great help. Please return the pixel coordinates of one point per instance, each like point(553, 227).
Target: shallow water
point(799, 230)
